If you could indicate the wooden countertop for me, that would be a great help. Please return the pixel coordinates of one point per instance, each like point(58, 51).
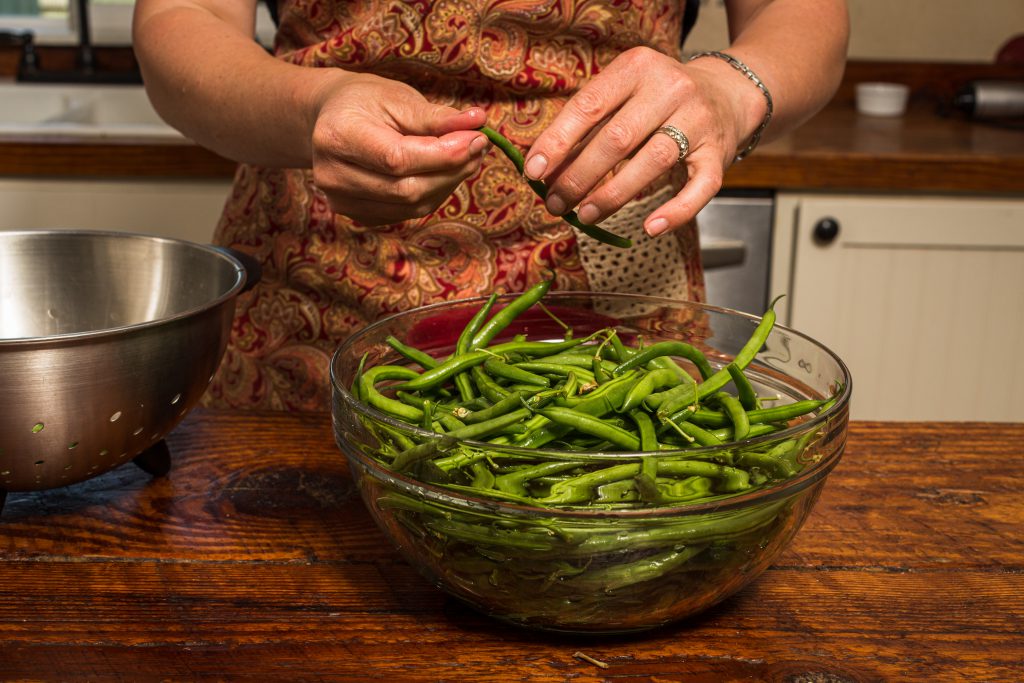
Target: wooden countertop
point(837, 150)
point(927, 150)
point(255, 558)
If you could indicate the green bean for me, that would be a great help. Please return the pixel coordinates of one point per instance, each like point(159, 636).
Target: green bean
point(503, 318)
point(737, 415)
point(473, 431)
point(483, 478)
point(516, 157)
point(372, 396)
point(425, 360)
point(645, 427)
point(588, 424)
point(463, 382)
point(513, 482)
point(491, 390)
point(695, 434)
point(744, 389)
point(656, 379)
point(688, 395)
point(514, 373)
point(646, 481)
point(513, 401)
point(782, 413)
point(667, 348)
point(440, 374)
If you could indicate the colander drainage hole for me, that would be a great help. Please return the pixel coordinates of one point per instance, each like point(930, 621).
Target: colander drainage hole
point(175, 399)
point(39, 462)
point(116, 416)
point(73, 445)
point(37, 427)
point(137, 431)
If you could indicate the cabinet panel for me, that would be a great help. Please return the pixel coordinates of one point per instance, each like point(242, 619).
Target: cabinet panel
point(182, 210)
point(922, 297)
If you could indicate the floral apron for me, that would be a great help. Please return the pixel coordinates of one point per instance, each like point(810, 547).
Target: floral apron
point(326, 276)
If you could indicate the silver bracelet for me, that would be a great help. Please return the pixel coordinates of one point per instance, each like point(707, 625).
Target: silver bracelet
point(745, 70)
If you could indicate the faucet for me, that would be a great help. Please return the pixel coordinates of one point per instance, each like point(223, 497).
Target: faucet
point(85, 71)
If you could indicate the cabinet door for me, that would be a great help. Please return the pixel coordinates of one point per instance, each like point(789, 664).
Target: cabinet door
point(923, 298)
point(186, 210)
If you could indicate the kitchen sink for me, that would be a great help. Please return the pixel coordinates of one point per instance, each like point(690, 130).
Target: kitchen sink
point(90, 111)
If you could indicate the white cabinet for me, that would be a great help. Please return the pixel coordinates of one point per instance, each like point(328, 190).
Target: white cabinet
point(167, 208)
point(921, 296)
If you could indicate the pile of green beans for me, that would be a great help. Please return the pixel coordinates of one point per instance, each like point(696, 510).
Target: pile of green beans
point(539, 424)
point(588, 394)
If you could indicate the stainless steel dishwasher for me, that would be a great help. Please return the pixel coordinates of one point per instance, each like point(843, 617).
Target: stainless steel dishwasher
point(736, 242)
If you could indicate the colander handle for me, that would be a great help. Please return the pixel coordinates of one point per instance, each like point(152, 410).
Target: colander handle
point(249, 263)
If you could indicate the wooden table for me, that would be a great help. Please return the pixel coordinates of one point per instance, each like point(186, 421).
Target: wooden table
point(254, 558)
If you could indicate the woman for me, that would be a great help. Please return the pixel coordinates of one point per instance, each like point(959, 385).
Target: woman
point(365, 186)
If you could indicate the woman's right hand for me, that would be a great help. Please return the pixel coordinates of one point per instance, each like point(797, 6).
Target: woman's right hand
point(382, 153)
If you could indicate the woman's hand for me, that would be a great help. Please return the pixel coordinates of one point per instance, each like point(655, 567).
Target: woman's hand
point(613, 119)
point(382, 153)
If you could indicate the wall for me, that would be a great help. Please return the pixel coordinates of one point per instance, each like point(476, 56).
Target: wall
point(903, 30)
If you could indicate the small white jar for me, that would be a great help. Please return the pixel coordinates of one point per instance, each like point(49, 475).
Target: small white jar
point(882, 99)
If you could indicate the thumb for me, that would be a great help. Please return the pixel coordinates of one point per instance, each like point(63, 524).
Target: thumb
point(427, 118)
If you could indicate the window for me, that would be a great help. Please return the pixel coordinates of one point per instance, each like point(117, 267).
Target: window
point(56, 21)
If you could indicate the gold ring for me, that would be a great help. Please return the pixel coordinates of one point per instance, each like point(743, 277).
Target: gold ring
point(680, 138)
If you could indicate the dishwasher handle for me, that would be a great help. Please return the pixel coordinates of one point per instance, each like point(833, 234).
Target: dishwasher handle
point(722, 253)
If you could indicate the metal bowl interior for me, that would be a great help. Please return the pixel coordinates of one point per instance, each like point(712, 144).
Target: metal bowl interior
point(70, 283)
point(107, 340)
point(560, 579)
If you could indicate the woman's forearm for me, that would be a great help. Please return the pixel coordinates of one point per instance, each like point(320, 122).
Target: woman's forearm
point(207, 77)
point(796, 47)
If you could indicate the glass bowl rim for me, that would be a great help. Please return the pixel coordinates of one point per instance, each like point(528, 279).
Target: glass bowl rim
point(817, 471)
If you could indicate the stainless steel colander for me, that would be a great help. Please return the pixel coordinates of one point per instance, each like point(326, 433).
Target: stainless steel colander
point(107, 340)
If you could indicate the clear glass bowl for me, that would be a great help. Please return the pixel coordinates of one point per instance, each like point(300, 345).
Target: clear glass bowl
point(595, 569)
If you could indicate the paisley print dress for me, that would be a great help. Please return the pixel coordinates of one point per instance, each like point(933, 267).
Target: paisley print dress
point(325, 276)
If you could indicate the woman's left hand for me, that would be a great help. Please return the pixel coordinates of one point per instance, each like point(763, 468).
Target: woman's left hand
point(613, 119)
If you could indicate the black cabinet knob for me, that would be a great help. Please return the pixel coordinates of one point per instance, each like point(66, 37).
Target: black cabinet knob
point(826, 230)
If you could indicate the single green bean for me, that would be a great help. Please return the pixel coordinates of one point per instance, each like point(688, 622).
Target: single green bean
point(491, 390)
point(593, 426)
point(744, 389)
point(668, 349)
point(511, 402)
point(372, 396)
point(736, 414)
point(514, 373)
point(516, 157)
point(463, 381)
point(425, 360)
point(503, 318)
point(440, 374)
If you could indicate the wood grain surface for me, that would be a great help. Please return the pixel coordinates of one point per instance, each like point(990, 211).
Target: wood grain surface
point(930, 149)
point(254, 559)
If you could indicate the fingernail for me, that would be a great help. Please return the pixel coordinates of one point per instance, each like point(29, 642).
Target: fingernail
point(477, 146)
point(535, 166)
point(588, 213)
point(657, 226)
point(556, 205)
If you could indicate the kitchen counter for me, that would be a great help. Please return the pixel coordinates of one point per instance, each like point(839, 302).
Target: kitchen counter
point(927, 150)
point(254, 558)
point(836, 150)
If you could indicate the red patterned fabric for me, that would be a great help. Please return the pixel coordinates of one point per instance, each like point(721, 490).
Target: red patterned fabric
point(324, 275)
